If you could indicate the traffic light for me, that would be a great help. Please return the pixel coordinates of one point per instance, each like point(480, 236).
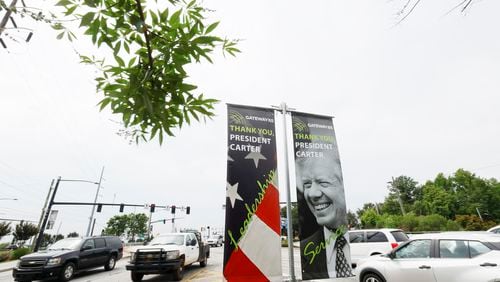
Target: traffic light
point(99, 208)
point(152, 208)
point(122, 206)
point(164, 221)
point(173, 209)
point(188, 210)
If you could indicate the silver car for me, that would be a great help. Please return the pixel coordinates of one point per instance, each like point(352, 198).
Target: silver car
point(437, 257)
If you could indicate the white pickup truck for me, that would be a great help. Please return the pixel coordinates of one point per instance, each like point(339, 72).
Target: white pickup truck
point(168, 253)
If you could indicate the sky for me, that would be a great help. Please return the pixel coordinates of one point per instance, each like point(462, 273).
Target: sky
point(416, 98)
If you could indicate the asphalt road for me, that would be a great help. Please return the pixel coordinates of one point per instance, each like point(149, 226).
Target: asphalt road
point(212, 272)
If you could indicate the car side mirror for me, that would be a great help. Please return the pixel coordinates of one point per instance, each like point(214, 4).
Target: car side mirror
point(391, 255)
point(84, 248)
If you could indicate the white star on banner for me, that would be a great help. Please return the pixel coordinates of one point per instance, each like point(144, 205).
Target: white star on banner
point(229, 159)
point(232, 193)
point(256, 156)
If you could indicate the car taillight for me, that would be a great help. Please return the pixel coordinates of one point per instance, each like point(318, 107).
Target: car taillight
point(394, 245)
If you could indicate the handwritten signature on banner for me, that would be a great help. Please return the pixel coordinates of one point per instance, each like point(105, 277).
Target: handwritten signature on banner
point(312, 250)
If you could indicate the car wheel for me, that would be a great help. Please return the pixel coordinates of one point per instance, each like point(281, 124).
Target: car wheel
point(110, 264)
point(372, 277)
point(67, 272)
point(203, 263)
point(179, 272)
point(136, 277)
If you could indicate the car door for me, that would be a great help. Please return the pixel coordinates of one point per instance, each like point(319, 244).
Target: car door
point(87, 254)
point(101, 252)
point(358, 249)
point(411, 263)
point(466, 261)
point(192, 250)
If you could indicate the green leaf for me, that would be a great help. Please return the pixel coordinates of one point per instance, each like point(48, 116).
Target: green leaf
point(63, 3)
point(91, 3)
point(104, 102)
point(126, 46)
point(175, 18)
point(211, 27)
point(117, 47)
point(187, 87)
point(153, 132)
point(87, 19)
point(70, 10)
point(60, 35)
point(154, 17)
point(131, 62)
point(191, 4)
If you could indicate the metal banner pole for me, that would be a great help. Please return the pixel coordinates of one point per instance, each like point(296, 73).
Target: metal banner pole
point(288, 197)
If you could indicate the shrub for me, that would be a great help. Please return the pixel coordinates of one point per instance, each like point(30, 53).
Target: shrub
point(389, 221)
point(369, 219)
point(452, 226)
point(409, 222)
point(433, 222)
point(4, 256)
point(16, 254)
point(3, 245)
point(473, 223)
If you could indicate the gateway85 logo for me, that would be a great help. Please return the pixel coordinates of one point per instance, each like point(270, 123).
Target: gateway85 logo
point(236, 118)
point(299, 125)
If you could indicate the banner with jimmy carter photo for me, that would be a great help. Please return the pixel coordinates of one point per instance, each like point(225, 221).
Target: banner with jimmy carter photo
point(324, 247)
point(252, 247)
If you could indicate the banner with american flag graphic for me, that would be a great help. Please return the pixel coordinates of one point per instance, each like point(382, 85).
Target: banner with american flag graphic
point(252, 247)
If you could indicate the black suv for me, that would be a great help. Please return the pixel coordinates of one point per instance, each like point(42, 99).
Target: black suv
point(67, 256)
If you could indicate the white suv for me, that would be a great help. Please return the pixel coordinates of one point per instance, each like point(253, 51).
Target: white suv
point(495, 229)
point(369, 242)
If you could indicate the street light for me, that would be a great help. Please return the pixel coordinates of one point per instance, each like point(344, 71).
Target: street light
point(49, 207)
point(6, 199)
point(95, 200)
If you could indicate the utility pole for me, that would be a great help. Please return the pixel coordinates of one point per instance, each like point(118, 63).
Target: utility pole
point(398, 195)
point(92, 231)
point(6, 17)
point(93, 207)
point(46, 216)
point(478, 213)
point(149, 224)
point(376, 208)
point(44, 207)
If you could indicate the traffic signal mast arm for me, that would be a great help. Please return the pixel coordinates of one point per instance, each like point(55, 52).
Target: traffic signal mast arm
point(118, 205)
point(166, 219)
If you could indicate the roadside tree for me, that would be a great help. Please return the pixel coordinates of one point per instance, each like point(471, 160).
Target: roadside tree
point(4, 229)
point(144, 79)
point(137, 224)
point(73, 235)
point(24, 231)
point(116, 225)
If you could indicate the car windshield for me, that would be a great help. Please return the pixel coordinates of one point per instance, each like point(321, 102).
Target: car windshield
point(65, 244)
point(496, 244)
point(168, 240)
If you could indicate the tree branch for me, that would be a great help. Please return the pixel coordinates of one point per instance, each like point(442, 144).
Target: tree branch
point(145, 31)
point(409, 12)
point(466, 5)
